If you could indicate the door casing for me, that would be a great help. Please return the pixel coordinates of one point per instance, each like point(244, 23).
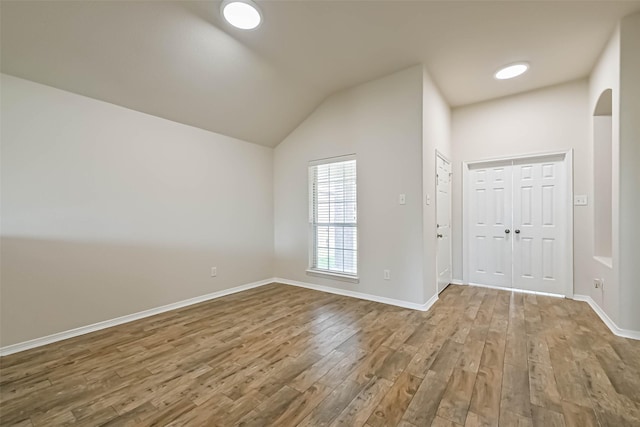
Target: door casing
point(439, 284)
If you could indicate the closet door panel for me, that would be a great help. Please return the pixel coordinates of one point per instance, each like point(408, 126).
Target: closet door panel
point(538, 221)
point(490, 202)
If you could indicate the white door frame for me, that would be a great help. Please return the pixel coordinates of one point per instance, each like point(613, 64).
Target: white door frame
point(446, 159)
point(567, 160)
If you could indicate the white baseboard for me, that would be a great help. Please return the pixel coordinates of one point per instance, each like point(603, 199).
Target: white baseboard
point(624, 333)
point(38, 342)
point(360, 295)
point(456, 282)
point(49, 339)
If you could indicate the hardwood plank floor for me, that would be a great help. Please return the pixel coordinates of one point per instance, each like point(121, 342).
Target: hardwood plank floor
point(286, 356)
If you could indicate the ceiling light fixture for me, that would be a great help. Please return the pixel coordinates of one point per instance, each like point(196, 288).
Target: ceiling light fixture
point(511, 71)
point(243, 14)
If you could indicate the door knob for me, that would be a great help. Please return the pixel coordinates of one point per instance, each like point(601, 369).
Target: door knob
point(517, 231)
point(507, 231)
point(439, 236)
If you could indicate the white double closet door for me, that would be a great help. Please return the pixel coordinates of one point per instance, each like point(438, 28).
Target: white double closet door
point(517, 224)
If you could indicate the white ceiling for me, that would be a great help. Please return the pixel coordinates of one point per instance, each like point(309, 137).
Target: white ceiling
point(180, 61)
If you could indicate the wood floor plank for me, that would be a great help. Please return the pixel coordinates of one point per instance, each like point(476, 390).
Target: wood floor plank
point(423, 359)
point(471, 354)
point(447, 359)
point(424, 405)
point(343, 368)
point(302, 405)
point(311, 375)
point(493, 352)
point(543, 386)
point(543, 417)
point(569, 380)
point(394, 365)
point(485, 400)
point(271, 409)
point(457, 397)
point(285, 356)
point(578, 416)
point(443, 422)
point(331, 407)
point(390, 410)
point(516, 395)
point(511, 419)
point(361, 407)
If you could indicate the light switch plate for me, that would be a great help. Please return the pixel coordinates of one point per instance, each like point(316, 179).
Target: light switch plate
point(580, 200)
point(402, 199)
point(428, 199)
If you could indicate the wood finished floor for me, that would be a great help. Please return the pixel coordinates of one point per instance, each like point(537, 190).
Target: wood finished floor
point(286, 356)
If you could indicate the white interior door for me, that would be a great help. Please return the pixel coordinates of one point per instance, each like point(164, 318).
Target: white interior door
point(489, 206)
point(443, 218)
point(539, 242)
point(517, 223)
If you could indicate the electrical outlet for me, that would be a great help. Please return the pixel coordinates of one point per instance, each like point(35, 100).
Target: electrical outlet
point(387, 274)
point(580, 200)
point(598, 283)
point(214, 271)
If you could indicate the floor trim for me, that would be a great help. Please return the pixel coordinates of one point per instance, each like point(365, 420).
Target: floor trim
point(624, 333)
point(49, 339)
point(59, 336)
point(384, 300)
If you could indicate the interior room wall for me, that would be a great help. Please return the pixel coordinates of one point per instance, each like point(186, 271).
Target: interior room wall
point(107, 211)
point(603, 186)
point(547, 120)
point(381, 123)
point(436, 136)
point(606, 75)
point(629, 212)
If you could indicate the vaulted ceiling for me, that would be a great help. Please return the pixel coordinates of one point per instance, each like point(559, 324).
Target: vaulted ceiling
point(179, 60)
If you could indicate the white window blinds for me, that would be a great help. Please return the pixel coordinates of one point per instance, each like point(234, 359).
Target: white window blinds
point(333, 215)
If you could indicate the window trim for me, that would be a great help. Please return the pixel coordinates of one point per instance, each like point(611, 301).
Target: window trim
point(353, 278)
point(333, 275)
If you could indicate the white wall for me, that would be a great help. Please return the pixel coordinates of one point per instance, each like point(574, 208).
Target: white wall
point(381, 122)
point(107, 211)
point(629, 212)
point(551, 119)
point(436, 135)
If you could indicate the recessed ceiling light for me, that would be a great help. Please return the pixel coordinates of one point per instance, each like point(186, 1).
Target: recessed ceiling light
point(243, 14)
point(511, 71)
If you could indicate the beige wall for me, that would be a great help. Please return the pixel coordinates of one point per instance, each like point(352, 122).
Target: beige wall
point(606, 75)
point(618, 68)
point(436, 135)
point(381, 122)
point(629, 212)
point(107, 211)
point(546, 120)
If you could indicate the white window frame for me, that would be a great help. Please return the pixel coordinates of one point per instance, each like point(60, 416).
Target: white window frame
point(312, 270)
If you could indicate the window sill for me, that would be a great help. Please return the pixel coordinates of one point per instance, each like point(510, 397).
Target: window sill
point(606, 261)
point(332, 275)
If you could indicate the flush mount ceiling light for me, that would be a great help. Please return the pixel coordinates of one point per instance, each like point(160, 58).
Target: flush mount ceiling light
point(243, 14)
point(511, 71)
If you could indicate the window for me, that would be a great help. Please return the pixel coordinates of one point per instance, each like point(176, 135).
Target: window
point(333, 216)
